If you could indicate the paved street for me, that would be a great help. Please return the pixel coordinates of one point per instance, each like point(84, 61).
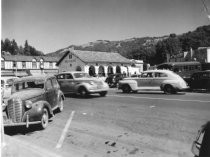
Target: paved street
point(139, 124)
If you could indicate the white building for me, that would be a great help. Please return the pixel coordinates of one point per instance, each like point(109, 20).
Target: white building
point(94, 63)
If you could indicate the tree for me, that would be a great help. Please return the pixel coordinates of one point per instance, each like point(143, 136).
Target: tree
point(26, 48)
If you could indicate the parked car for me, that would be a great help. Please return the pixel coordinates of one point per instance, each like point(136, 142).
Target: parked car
point(113, 79)
point(33, 100)
point(200, 80)
point(164, 80)
point(201, 144)
point(6, 86)
point(78, 82)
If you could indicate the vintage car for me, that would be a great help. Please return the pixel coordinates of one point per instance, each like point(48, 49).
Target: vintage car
point(201, 144)
point(113, 79)
point(164, 80)
point(78, 82)
point(33, 100)
point(200, 80)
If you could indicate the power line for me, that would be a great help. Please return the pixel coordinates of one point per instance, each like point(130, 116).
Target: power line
point(206, 8)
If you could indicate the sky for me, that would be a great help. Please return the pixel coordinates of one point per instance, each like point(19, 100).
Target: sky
point(49, 25)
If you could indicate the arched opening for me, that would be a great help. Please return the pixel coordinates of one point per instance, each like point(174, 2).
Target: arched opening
point(78, 68)
point(92, 71)
point(118, 69)
point(110, 70)
point(101, 71)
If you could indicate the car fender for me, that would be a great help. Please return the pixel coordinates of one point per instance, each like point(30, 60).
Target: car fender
point(132, 84)
point(83, 84)
point(35, 112)
point(60, 95)
point(173, 83)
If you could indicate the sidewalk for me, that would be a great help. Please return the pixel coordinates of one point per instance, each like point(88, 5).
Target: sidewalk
point(17, 148)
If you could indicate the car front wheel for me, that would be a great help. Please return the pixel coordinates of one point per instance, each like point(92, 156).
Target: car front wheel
point(126, 89)
point(83, 92)
point(103, 93)
point(44, 119)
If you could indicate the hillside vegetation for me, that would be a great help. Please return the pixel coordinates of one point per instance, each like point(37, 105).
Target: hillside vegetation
point(152, 50)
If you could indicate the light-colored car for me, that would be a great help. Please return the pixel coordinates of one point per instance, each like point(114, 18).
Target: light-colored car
point(164, 80)
point(81, 83)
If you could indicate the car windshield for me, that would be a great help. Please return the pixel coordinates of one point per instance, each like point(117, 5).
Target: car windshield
point(81, 75)
point(26, 85)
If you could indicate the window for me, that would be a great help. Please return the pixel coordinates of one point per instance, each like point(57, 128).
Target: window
point(68, 76)
point(51, 65)
point(49, 85)
point(23, 64)
point(160, 75)
point(70, 56)
point(2, 64)
point(34, 66)
point(14, 64)
point(70, 65)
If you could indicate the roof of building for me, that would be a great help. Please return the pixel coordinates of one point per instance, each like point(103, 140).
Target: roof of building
point(95, 56)
point(29, 58)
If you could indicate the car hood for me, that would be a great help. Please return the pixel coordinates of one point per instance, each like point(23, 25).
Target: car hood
point(27, 94)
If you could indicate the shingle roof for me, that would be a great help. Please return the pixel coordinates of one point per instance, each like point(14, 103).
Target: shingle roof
point(29, 58)
point(95, 56)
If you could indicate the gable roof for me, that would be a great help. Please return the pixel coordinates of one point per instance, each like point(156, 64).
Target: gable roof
point(29, 58)
point(95, 56)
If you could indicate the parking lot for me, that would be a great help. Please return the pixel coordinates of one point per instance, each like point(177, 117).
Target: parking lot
point(134, 124)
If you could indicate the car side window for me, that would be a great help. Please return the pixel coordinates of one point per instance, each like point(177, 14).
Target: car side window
point(55, 83)
point(149, 75)
point(49, 85)
point(160, 75)
point(68, 76)
point(61, 76)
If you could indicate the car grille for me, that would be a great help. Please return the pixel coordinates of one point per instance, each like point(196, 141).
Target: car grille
point(15, 110)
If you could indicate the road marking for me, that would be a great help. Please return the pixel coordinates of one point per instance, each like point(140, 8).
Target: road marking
point(63, 135)
point(160, 98)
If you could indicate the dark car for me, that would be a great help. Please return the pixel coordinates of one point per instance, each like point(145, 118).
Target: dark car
point(113, 79)
point(201, 145)
point(200, 80)
point(32, 101)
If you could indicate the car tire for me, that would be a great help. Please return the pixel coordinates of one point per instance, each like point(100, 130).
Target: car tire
point(168, 89)
point(83, 92)
point(60, 105)
point(44, 119)
point(103, 93)
point(126, 89)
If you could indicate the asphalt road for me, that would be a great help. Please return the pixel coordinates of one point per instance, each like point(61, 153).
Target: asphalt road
point(143, 124)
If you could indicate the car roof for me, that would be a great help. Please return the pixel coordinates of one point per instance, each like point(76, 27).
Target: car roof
point(33, 78)
point(159, 70)
point(72, 72)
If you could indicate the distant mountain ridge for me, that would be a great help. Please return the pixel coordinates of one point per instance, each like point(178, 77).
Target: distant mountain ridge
point(113, 46)
point(153, 50)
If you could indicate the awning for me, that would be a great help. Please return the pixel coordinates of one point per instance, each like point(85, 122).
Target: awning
point(21, 73)
point(7, 73)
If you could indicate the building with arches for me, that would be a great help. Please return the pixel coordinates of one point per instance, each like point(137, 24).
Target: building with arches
point(95, 63)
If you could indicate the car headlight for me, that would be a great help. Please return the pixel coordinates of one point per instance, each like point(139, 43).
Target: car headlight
point(28, 104)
